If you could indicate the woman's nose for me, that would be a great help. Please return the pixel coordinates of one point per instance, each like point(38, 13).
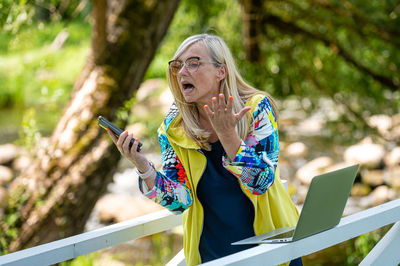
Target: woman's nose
point(183, 71)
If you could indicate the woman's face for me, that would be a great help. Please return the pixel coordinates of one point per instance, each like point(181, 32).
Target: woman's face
point(201, 85)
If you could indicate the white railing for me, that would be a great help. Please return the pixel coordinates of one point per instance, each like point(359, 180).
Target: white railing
point(74, 246)
point(386, 252)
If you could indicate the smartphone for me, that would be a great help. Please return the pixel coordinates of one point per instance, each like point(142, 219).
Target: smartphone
point(104, 123)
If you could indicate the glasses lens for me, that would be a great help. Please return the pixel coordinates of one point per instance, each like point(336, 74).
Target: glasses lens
point(192, 64)
point(175, 66)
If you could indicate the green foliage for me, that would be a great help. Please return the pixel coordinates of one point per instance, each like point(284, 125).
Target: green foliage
point(15, 15)
point(84, 260)
point(11, 219)
point(360, 247)
point(195, 17)
point(33, 74)
point(29, 133)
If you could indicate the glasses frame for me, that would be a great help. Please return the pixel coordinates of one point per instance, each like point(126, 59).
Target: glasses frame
point(185, 64)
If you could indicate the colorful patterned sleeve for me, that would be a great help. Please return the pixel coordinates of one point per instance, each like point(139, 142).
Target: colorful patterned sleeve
point(171, 189)
point(257, 158)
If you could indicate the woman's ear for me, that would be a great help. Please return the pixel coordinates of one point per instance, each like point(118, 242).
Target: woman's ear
point(221, 73)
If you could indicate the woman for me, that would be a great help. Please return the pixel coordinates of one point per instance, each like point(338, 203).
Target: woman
point(219, 145)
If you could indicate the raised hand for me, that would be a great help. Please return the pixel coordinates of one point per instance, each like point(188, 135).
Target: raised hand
point(221, 117)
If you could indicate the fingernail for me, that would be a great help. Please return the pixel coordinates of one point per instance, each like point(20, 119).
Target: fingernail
point(137, 140)
point(221, 96)
point(214, 99)
point(230, 98)
point(107, 129)
point(205, 106)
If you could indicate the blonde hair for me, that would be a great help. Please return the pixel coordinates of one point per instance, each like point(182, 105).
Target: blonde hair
point(232, 85)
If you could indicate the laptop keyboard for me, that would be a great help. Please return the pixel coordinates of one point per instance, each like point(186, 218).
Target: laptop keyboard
point(283, 235)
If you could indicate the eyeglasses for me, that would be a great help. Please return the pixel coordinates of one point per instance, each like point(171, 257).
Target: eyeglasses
point(191, 64)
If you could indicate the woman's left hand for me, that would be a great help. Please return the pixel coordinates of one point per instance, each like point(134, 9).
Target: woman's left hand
point(221, 117)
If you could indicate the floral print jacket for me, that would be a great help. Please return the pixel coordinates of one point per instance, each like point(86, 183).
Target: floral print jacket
point(254, 165)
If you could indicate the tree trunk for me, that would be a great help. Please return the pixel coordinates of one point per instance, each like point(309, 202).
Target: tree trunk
point(252, 11)
point(55, 195)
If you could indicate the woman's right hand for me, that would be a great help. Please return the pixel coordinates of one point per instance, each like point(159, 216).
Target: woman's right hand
point(137, 158)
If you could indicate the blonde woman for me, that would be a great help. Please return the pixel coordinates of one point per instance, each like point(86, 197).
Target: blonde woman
point(220, 146)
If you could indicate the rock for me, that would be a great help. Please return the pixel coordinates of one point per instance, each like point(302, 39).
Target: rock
point(300, 196)
point(352, 206)
point(165, 99)
point(148, 88)
point(381, 122)
point(367, 154)
point(21, 162)
point(360, 190)
point(338, 166)
point(310, 126)
point(3, 197)
point(296, 150)
point(138, 129)
point(315, 167)
point(394, 133)
point(290, 117)
point(381, 195)
point(118, 208)
point(373, 177)
point(394, 177)
point(396, 120)
point(393, 157)
point(8, 152)
point(6, 175)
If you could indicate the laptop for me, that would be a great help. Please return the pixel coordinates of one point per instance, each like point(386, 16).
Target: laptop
point(322, 209)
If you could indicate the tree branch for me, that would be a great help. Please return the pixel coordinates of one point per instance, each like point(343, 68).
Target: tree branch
point(341, 51)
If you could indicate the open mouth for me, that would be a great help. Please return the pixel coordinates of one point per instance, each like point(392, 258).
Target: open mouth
point(187, 87)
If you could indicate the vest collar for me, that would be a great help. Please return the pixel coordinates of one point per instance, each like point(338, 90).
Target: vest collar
point(175, 132)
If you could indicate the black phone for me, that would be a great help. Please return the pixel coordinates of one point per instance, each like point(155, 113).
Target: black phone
point(104, 123)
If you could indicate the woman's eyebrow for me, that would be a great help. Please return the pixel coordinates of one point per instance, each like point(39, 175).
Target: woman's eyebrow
point(191, 57)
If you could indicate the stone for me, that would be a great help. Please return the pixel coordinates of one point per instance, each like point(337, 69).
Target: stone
point(6, 175)
point(381, 195)
point(296, 150)
point(373, 177)
point(360, 190)
point(315, 167)
point(114, 208)
point(394, 178)
point(310, 126)
point(166, 99)
point(21, 162)
point(148, 88)
point(351, 207)
point(3, 197)
point(396, 120)
point(366, 154)
point(138, 129)
point(8, 152)
point(338, 166)
point(393, 157)
point(394, 134)
point(381, 122)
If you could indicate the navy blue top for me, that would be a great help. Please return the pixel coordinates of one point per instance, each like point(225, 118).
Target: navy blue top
point(228, 212)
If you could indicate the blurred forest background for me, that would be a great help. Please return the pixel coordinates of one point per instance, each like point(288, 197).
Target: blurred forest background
point(333, 67)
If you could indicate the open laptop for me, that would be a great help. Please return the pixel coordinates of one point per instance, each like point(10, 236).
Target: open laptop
point(322, 209)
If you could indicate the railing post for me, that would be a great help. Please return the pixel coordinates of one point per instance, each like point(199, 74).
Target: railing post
point(387, 251)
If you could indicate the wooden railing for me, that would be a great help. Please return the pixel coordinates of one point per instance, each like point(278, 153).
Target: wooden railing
point(386, 252)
